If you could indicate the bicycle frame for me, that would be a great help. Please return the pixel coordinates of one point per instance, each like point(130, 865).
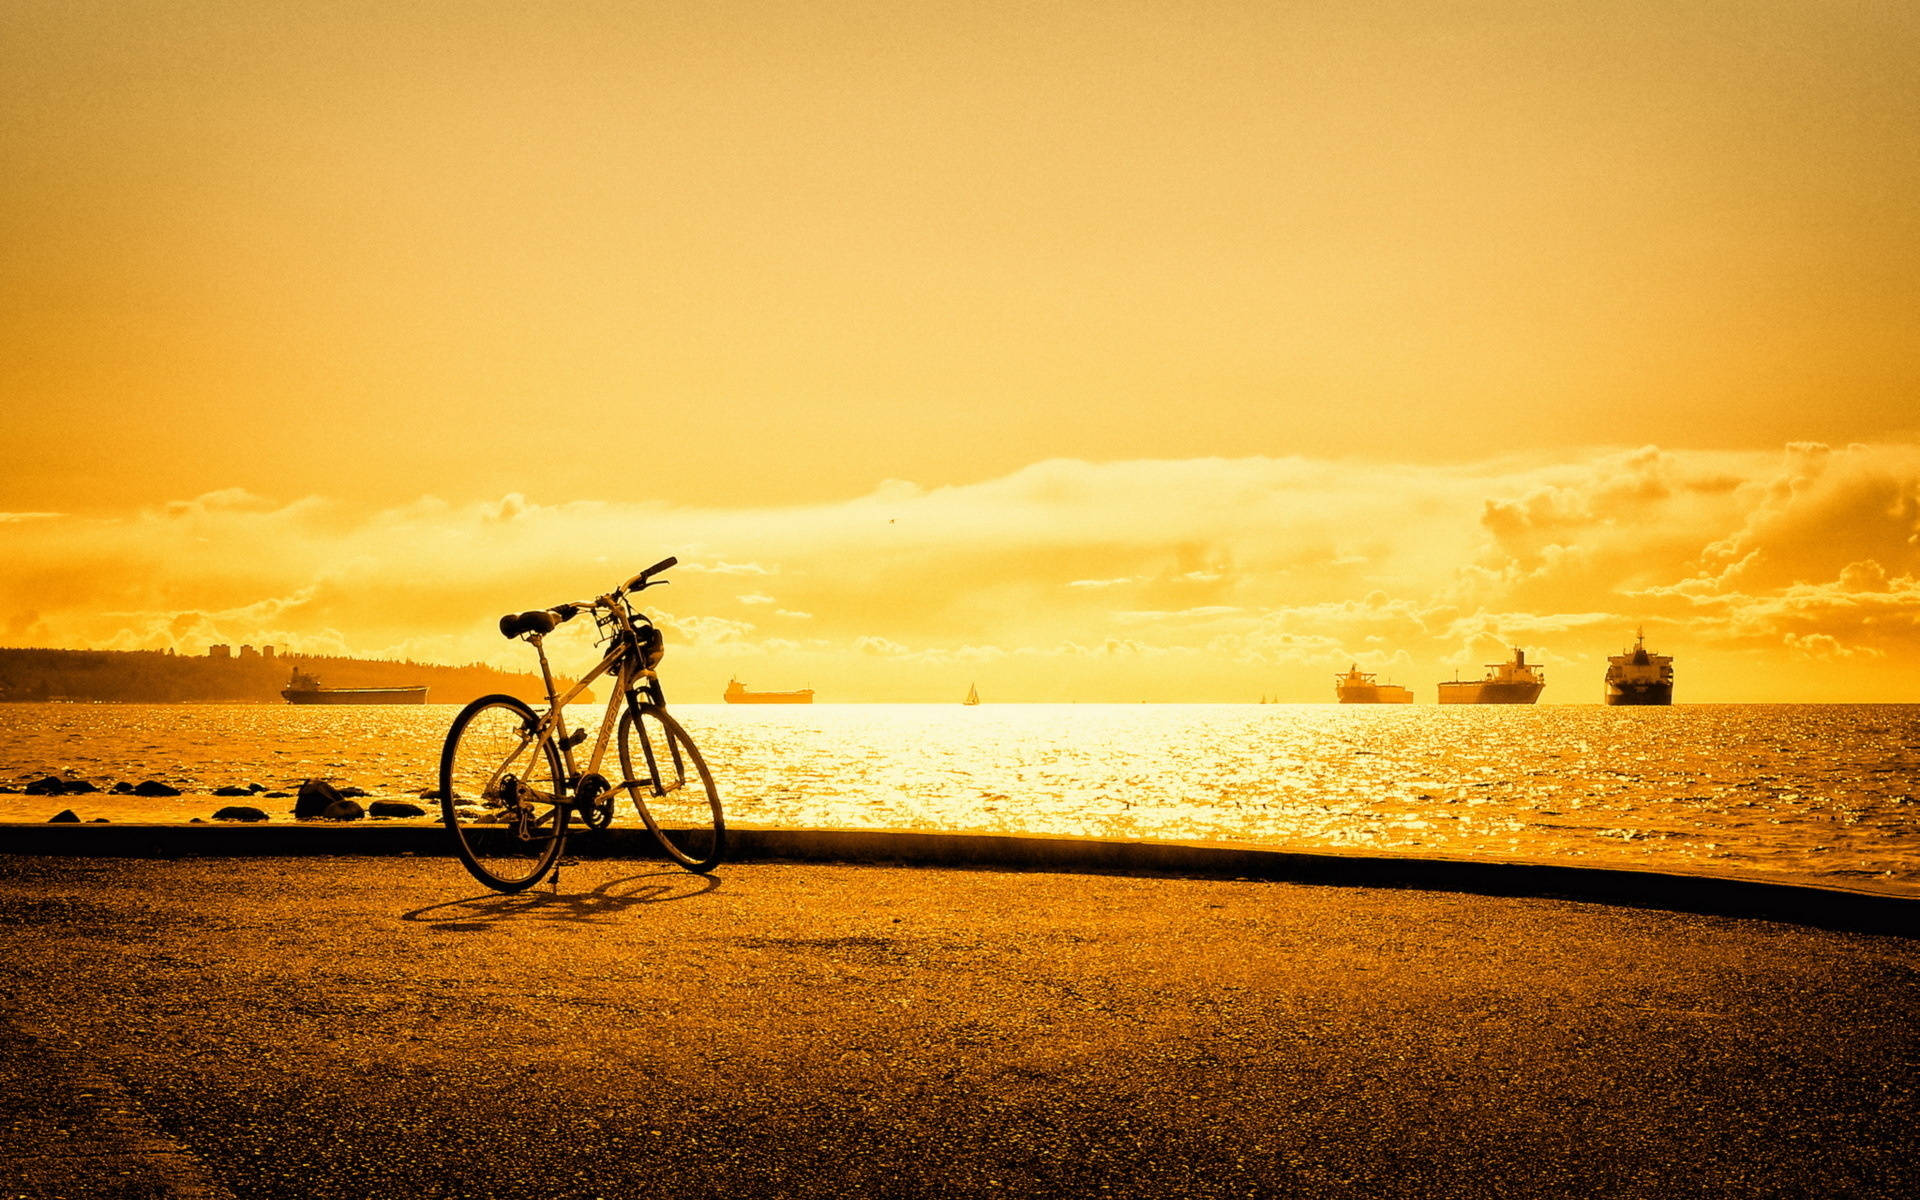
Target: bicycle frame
point(510, 836)
point(621, 662)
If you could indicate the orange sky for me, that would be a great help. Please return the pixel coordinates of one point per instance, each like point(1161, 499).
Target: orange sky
point(1190, 328)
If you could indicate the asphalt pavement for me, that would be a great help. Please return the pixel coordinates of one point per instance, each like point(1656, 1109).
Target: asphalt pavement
point(380, 1027)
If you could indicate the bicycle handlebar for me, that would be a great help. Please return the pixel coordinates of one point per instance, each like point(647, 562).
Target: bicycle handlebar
point(643, 579)
point(544, 620)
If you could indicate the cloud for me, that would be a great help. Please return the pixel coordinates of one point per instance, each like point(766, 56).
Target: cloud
point(707, 632)
point(511, 507)
point(1818, 512)
point(229, 500)
point(722, 568)
point(1255, 576)
point(1204, 612)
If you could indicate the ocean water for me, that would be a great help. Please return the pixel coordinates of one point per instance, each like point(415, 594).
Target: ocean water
point(1827, 792)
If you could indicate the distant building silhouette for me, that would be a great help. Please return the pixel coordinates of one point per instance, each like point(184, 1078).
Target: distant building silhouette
point(266, 652)
point(156, 677)
point(249, 652)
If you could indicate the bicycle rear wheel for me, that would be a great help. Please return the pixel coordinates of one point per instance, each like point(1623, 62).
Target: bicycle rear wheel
point(501, 794)
point(670, 784)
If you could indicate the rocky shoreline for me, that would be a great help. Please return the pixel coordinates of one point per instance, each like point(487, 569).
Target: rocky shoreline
point(313, 800)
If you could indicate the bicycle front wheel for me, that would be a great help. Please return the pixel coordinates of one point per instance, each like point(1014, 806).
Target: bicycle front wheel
point(501, 794)
point(670, 784)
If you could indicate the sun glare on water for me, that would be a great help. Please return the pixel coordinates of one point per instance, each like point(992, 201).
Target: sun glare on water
point(1819, 791)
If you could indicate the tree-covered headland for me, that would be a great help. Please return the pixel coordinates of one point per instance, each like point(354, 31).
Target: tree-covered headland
point(163, 677)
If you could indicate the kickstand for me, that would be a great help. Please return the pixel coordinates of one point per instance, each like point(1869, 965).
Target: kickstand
point(556, 879)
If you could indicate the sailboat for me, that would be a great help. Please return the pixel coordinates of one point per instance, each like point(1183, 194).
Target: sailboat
point(973, 695)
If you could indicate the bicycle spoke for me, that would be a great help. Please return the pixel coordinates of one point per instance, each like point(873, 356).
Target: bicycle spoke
point(504, 792)
point(501, 794)
point(672, 788)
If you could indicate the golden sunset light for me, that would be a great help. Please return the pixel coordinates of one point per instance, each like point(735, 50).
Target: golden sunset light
point(1785, 576)
point(1100, 351)
point(1223, 345)
point(1268, 598)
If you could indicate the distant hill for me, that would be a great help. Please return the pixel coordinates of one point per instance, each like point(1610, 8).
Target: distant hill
point(161, 677)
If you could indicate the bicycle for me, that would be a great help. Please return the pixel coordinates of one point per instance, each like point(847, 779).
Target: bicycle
point(509, 784)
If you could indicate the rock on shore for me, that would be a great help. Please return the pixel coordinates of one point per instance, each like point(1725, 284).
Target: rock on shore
point(53, 785)
point(315, 797)
point(395, 808)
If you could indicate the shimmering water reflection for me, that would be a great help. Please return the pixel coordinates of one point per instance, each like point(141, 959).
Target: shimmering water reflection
point(1825, 791)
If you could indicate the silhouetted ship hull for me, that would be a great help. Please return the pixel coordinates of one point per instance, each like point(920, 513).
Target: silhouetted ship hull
point(1490, 693)
point(1652, 693)
point(1638, 677)
point(737, 694)
point(399, 695)
point(305, 689)
point(1510, 682)
point(1358, 687)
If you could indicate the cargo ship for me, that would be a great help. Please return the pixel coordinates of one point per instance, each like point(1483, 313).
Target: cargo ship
point(305, 689)
point(1637, 677)
point(1358, 687)
point(737, 693)
point(1510, 682)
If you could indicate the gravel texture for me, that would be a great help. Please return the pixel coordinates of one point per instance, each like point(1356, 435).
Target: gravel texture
point(335, 1027)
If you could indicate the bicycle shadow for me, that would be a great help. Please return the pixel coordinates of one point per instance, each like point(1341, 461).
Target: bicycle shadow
point(610, 899)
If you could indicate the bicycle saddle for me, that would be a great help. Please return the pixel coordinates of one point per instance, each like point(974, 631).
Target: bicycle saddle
point(538, 621)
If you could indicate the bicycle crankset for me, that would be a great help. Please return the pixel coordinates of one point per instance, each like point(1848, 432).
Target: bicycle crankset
point(593, 800)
